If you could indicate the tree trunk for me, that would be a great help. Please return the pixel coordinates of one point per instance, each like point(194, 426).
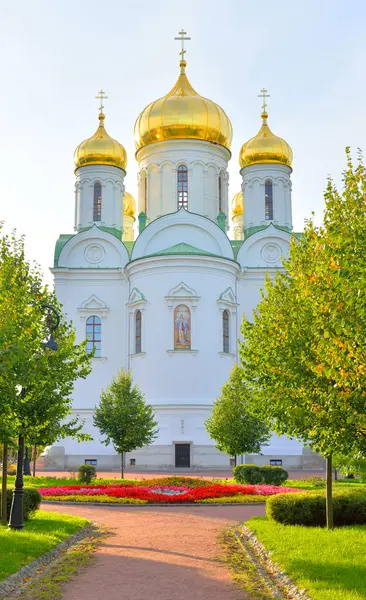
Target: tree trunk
point(3, 508)
point(122, 464)
point(329, 498)
point(34, 460)
point(17, 507)
point(235, 460)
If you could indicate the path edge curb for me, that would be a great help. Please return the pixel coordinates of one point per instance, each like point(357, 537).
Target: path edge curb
point(155, 505)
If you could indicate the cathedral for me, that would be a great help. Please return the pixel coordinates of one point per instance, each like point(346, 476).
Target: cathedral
point(158, 286)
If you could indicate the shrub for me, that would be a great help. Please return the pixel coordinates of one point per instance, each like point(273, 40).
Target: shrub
point(32, 500)
point(273, 475)
point(248, 474)
point(317, 481)
point(12, 470)
point(86, 473)
point(256, 474)
point(309, 509)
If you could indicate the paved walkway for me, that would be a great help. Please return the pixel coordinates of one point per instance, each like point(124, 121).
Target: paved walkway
point(167, 553)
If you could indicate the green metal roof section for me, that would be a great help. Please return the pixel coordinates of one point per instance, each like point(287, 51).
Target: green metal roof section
point(129, 247)
point(63, 238)
point(252, 230)
point(236, 245)
point(182, 248)
point(116, 232)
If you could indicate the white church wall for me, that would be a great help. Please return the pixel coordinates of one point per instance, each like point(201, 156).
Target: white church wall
point(93, 249)
point(159, 161)
point(111, 179)
point(253, 187)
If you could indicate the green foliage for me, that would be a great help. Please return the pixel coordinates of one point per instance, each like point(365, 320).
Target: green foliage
point(309, 509)
point(329, 565)
point(41, 412)
point(350, 465)
point(247, 474)
point(86, 473)
point(303, 358)
point(260, 474)
point(233, 428)
point(32, 502)
point(123, 417)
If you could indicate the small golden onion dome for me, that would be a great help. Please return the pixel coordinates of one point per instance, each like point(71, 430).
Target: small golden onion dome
point(237, 204)
point(183, 114)
point(129, 205)
point(265, 147)
point(100, 149)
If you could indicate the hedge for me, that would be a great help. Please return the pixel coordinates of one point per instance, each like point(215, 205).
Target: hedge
point(32, 500)
point(86, 473)
point(309, 509)
point(255, 474)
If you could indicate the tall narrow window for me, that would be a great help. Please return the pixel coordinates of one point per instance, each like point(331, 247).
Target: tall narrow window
point(138, 332)
point(220, 193)
point(182, 187)
point(97, 206)
point(182, 327)
point(268, 193)
point(94, 335)
point(225, 332)
point(145, 194)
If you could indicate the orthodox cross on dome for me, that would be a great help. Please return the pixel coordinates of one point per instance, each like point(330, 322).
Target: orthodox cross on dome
point(101, 97)
point(264, 95)
point(182, 39)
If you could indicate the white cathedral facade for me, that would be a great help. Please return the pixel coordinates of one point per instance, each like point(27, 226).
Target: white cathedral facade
point(164, 296)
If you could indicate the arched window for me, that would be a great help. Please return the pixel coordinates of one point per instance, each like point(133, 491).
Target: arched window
point(220, 193)
point(97, 205)
point(182, 187)
point(268, 194)
point(94, 335)
point(182, 327)
point(225, 332)
point(138, 332)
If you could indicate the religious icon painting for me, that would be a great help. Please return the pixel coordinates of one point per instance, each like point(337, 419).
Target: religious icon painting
point(182, 328)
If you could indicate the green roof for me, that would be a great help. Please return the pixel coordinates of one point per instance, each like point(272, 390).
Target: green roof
point(64, 237)
point(129, 247)
point(236, 245)
point(182, 248)
point(252, 230)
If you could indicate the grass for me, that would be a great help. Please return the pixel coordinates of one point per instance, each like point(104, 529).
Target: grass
point(41, 533)
point(331, 565)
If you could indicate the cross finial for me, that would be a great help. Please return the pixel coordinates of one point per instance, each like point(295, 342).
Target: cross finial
point(264, 95)
point(182, 38)
point(101, 96)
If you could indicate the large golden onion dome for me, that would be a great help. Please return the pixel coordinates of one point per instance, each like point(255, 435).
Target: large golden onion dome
point(237, 204)
point(129, 205)
point(265, 147)
point(100, 149)
point(183, 114)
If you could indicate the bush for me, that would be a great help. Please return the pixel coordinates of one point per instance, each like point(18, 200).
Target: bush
point(256, 474)
point(274, 475)
point(86, 473)
point(309, 509)
point(12, 470)
point(32, 500)
point(248, 474)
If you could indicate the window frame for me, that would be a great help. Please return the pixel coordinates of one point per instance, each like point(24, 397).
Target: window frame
point(97, 201)
point(93, 341)
point(226, 331)
point(138, 332)
point(182, 187)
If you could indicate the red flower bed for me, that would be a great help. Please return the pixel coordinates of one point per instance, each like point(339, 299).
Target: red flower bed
point(170, 494)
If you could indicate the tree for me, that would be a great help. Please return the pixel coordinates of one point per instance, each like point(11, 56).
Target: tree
point(303, 357)
point(35, 382)
point(230, 425)
point(123, 416)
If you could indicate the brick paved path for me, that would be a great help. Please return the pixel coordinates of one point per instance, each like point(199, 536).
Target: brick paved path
point(166, 553)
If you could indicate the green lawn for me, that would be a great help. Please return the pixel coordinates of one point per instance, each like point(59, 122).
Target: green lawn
point(331, 565)
point(41, 533)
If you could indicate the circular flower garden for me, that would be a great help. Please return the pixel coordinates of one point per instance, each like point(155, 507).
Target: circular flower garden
point(164, 491)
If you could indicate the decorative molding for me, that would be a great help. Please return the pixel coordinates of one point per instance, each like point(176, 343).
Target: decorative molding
point(227, 299)
point(91, 306)
point(182, 293)
point(94, 253)
point(183, 351)
point(136, 354)
point(136, 299)
point(227, 354)
point(271, 252)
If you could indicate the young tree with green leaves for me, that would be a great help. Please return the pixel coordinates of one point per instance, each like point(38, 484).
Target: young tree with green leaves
point(124, 418)
point(230, 425)
point(303, 357)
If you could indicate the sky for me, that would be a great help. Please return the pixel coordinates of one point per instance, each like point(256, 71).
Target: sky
point(55, 55)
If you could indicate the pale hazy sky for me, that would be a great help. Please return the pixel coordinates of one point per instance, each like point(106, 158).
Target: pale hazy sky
point(56, 54)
